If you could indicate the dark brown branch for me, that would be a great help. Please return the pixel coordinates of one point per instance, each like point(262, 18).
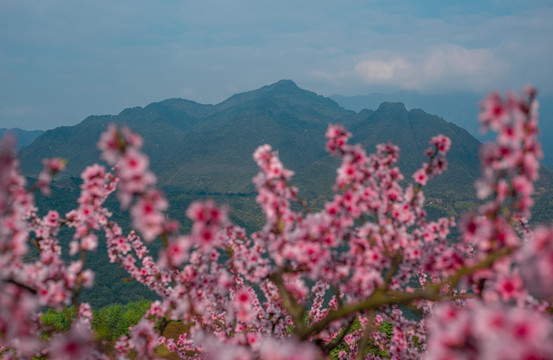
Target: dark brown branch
point(378, 299)
point(381, 297)
point(23, 286)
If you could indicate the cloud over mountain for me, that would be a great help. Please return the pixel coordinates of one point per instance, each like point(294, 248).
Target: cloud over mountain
point(449, 66)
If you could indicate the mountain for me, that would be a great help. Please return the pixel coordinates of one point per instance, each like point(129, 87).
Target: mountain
point(459, 108)
point(24, 137)
point(205, 151)
point(412, 130)
point(205, 147)
point(199, 149)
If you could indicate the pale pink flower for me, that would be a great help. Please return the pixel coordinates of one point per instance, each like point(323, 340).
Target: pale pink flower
point(420, 176)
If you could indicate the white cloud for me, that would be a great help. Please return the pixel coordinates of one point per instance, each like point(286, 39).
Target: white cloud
point(455, 61)
point(396, 70)
point(446, 66)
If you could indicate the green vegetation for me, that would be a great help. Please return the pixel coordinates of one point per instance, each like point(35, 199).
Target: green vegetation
point(57, 321)
point(112, 321)
point(386, 328)
point(109, 322)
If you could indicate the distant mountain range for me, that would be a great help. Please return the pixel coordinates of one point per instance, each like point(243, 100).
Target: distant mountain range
point(23, 137)
point(205, 151)
point(459, 108)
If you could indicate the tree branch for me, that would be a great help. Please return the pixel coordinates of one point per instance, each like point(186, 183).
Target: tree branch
point(382, 297)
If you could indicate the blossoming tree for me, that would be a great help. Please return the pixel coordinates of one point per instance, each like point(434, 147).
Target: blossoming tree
point(307, 285)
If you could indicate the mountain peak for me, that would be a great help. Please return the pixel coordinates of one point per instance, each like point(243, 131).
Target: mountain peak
point(283, 94)
point(284, 84)
point(282, 87)
point(392, 107)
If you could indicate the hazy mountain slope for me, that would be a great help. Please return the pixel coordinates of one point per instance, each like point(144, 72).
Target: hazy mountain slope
point(458, 108)
point(206, 149)
point(217, 157)
point(162, 125)
point(412, 130)
point(23, 137)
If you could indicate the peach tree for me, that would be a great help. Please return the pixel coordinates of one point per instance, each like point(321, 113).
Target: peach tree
point(307, 285)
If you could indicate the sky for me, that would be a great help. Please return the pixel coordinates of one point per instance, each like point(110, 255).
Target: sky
point(63, 60)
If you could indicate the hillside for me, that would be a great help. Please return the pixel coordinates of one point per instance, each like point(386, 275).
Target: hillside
point(208, 147)
point(205, 150)
point(23, 137)
point(459, 108)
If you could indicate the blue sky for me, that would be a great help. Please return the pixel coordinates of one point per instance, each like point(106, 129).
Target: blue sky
point(63, 60)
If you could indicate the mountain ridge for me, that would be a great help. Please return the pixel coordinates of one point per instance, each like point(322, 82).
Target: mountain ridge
point(203, 151)
point(460, 108)
point(202, 148)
